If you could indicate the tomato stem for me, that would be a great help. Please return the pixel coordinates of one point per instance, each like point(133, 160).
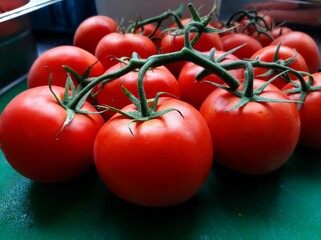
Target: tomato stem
point(187, 53)
point(176, 15)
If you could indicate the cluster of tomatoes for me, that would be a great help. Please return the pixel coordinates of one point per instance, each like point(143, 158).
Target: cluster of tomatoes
point(162, 157)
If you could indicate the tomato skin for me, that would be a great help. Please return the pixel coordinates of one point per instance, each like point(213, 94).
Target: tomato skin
point(28, 136)
point(116, 45)
point(303, 44)
point(90, 31)
point(171, 43)
point(158, 79)
point(51, 61)
point(194, 92)
point(266, 54)
point(310, 114)
point(255, 139)
point(163, 163)
point(232, 41)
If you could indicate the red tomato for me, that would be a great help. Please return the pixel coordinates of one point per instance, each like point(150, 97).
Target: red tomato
point(193, 91)
point(116, 45)
point(303, 44)
point(269, 21)
point(172, 43)
point(255, 139)
point(51, 62)
point(148, 30)
point(91, 30)
point(232, 41)
point(28, 136)
point(158, 79)
point(274, 33)
point(310, 114)
point(164, 162)
point(266, 54)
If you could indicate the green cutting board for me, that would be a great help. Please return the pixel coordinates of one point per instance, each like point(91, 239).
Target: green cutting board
point(283, 205)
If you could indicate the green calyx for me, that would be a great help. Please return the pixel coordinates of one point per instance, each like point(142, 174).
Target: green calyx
point(248, 93)
point(137, 115)
point(303, 89)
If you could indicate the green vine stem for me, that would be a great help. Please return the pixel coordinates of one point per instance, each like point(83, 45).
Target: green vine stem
point(187, 53)
point(176, 15)
point(258, 23)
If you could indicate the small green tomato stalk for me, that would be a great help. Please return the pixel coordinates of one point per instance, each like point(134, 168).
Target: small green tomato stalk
point(146, 111)
point(176, 15)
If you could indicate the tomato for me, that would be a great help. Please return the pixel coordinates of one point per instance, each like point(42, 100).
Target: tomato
point(269, 21)
point(148, 29)
point(117, 45)
point(247, 24)
point(29, 139)
point(274, 33)
point(172, 43)
point(303, 44)
point(193, 91)
point(232, 41)
point(51, 62)
point(91, 30)
point(158, 79)
point(310, 114)
point(266, 54)
point(254, 139)
point(163, 162)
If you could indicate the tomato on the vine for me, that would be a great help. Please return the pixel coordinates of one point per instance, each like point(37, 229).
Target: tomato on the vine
point(268, 38)
point(303, 44)
point(256, 138)
point(158, 79)
point(268, 53)
point(51, 62)
point(117, 45)
point(160, 162)
point(193, 91)
point(91, 30)
point(33, 143)
point(232, 41)
point(310, 113)
point(149, 29)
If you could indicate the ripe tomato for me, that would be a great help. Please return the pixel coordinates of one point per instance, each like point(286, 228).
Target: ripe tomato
point(116, 45)
point(172, 43)
point(232, 41)
point(91, 30)
point(158, 79)
point(303, 44)
point(310, 114)
point(193, 91)
point(255, 139)
point(266, 54)
point(148, 30)
point(165, 160)
point(51, 62)
point(29, 126)
point(274, 33)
